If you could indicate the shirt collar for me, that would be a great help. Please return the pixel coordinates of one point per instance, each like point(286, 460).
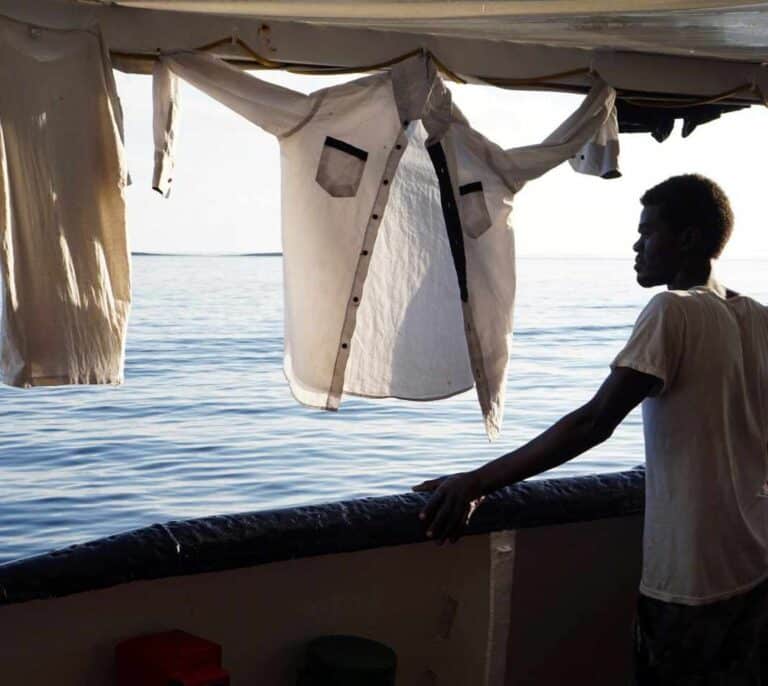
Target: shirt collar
point(713, 286)
point(421, 94)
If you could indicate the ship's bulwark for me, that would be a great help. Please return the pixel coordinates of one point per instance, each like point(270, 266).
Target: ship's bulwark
point(545, 580)
point(241, 540)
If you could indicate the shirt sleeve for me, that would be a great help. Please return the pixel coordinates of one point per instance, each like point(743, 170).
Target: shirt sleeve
point(589, 138)
point(600, 154)
point(275, 109)
point(165, 122)
point(656, 344)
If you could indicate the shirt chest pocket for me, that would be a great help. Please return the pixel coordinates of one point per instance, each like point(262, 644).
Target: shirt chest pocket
point(340, 168)
point(475, 219)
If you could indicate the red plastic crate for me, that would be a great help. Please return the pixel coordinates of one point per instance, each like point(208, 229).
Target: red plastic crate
point(158, 659)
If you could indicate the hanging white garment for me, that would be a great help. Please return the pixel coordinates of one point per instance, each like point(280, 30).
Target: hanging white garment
point(398, 258)
point(65, 265)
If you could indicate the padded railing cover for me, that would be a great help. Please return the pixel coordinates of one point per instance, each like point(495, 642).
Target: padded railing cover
point(242, 540)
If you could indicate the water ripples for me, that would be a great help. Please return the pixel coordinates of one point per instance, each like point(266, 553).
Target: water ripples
point(205, 423)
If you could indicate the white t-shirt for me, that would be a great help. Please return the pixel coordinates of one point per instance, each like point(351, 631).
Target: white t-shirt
point(64, 259)
point(706, 432)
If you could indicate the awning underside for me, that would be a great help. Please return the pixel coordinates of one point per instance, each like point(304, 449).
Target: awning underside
point(726, 30)
point(675, 49)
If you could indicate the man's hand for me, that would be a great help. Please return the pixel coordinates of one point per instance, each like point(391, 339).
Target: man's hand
point(454, 500)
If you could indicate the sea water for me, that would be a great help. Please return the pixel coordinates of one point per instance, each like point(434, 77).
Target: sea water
point(205, 423)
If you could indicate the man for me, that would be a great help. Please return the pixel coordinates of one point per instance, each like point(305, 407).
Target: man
point(698, 360)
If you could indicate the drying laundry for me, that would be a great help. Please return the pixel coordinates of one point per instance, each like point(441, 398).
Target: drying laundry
point(65, 264)
point(399, 259)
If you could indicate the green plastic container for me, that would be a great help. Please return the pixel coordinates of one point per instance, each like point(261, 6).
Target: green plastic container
point(348, 661)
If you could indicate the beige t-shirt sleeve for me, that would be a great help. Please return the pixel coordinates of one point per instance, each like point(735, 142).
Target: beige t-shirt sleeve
point(655, 346)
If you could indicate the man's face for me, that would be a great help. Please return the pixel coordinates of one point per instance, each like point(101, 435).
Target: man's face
point(659, 250)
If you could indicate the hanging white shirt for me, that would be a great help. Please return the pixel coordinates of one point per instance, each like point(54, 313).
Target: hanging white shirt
point(63, 249)
point(706, 444)
point(398, 257)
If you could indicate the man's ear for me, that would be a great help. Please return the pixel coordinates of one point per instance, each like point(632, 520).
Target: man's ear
point(690, 239)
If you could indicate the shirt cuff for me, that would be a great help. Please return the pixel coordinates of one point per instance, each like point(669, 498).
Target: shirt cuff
point(163, 174)
point(598, 160)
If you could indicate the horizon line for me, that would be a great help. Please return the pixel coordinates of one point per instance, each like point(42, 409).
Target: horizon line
point(534, 256)
point(141, 253)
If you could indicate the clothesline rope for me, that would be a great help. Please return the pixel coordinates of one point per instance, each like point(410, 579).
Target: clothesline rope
point(530, 81)
point(233, 40)
point(493, 81)
point(749, 87)
point(542, 79)
point(270, 64)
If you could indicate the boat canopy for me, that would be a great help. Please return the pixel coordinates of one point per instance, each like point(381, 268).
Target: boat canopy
point(667, 50)
point(722, 29)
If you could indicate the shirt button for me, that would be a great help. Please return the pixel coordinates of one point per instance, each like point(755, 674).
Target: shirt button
point(344, 345)
point(355, 299)
point(406, 122)
point(398, 147)
point(365, 252)
point(385, 181)
point(375, 216)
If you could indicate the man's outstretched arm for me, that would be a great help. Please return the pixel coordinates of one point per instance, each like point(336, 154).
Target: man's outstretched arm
point(454, 497)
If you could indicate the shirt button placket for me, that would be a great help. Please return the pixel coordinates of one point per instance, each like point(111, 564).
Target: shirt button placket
point(370, 238)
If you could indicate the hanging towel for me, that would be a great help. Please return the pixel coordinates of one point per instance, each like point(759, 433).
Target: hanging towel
point(65, 265)
point(398, 255)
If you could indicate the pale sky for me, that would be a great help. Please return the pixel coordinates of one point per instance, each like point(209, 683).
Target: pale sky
point(226, 195)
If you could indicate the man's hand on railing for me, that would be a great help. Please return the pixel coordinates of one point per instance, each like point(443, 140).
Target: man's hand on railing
point(454, 500)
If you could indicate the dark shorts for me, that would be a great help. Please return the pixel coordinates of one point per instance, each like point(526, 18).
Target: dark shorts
point(717, 644)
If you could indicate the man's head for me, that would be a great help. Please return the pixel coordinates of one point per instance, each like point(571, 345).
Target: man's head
point(685, 223)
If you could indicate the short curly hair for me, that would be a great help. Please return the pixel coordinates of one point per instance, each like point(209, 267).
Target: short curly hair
point(694, 200)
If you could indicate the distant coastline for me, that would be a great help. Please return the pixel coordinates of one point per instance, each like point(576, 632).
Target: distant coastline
point(206, 254)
